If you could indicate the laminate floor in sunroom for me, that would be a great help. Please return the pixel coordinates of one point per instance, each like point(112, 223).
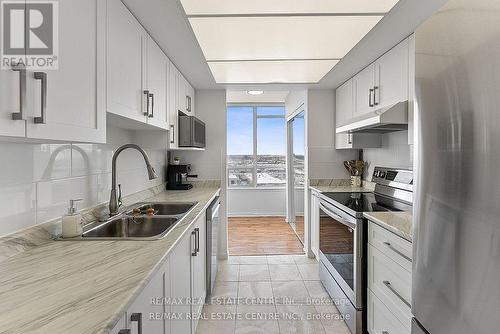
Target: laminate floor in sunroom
point(262, 236)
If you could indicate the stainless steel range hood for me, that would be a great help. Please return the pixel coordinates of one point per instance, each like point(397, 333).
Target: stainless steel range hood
point(389, 119)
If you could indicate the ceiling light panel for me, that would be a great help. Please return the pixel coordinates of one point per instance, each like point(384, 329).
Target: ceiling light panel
point(263, 7)
point(265, 72)
point(268, 96)
point(265, 38)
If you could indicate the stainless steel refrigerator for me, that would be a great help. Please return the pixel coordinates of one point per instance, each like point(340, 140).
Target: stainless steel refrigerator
point(456, 269)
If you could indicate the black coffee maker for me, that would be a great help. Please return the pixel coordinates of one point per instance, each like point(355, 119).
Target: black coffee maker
point(175, 176)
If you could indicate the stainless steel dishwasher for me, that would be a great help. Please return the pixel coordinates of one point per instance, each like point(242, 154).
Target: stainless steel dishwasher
point(213, 223)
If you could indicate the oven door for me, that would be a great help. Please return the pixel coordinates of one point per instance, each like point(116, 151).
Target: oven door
point(341, 250)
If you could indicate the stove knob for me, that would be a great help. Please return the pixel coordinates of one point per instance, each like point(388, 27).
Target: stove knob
point(375, 173)
point(381, 175)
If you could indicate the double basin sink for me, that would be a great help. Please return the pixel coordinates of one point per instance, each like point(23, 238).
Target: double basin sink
point(139, 222)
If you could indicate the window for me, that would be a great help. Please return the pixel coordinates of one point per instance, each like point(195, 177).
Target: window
point(256, 143)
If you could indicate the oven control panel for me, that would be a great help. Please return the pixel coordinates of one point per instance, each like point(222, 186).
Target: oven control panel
point(393, 177)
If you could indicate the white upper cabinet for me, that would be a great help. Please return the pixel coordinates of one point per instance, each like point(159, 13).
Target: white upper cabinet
point(344, 103)
point(185, 96)
point(67, 103)
point(173, 76)
point(383, 83)
point(125, 81)
point(143, 86)
point(364, 83)
point(11, 103)
point(391, 76)
point(157, 87)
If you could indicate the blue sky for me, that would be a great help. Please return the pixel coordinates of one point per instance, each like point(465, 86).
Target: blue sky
point(271, 135)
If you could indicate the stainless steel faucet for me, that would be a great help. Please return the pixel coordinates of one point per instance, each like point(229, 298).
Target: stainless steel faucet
point(115, 203)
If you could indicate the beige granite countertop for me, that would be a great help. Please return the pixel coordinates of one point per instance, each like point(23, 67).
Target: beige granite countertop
point(340, 189)
point(399, 223)
point(339, 186)
point(83, 287)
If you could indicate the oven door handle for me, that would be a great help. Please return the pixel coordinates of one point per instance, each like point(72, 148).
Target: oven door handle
point(336, 216)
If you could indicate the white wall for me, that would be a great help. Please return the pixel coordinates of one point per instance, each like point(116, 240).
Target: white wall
point(211, 163)
point(294, 100)
point(38, 180)
point(211, 109)
point(261, 202)
point(395, 152)
point(325, 162)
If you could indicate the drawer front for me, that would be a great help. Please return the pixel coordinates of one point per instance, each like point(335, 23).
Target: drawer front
point(392, 245)
point(391, 283)
point(381, 320)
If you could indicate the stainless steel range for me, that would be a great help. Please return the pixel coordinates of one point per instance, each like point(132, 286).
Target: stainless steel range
point(343, 237)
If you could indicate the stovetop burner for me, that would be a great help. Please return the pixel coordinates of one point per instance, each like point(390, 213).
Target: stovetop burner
point(367, 202)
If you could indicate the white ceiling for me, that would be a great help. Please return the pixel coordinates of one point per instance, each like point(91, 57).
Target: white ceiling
point(168, 24)
point(312, 32)
point(266, 97)
point(239, 7)
point(282, 71)
point(292, 37)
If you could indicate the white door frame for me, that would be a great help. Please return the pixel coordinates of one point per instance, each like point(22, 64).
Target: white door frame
point(290, 184)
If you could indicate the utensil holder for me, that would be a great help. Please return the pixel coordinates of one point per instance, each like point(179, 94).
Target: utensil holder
point(356, 181)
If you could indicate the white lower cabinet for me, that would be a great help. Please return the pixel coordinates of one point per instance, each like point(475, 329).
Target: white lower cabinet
point(121, 325)
point(141, 315)
point(145, 315)
point(174, 297)
point(180, 265)
point(381, 320)
point(198, 277)
point(187, 268)
point(315, 217)
point(389, 282)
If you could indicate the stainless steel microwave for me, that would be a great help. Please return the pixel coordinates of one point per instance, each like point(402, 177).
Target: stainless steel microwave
point(191, 132)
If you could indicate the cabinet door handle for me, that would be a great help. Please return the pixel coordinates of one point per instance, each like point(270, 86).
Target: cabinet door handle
point(152, 96)
point(124, 331)
point(389, 286)
point(375, 89)
point(349, 138)
point(42, 76)
point(194, 253)
point(137, 317)
point(146, 113)
point(388, 244)
point(173, 134)
point(188, 103)
point(370, 104)
point(22, 93)
point(197, 230)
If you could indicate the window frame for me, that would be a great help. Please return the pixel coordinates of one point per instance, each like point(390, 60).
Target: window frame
point(254, 166)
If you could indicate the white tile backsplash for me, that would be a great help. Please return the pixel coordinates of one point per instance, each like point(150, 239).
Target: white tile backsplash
point(91, 159)
point(25, 163)
point(53, 196)
point(38, 180)
point(17, 207)
point(395, 152)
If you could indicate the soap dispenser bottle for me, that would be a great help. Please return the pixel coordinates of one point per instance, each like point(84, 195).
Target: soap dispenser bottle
point(72, 224)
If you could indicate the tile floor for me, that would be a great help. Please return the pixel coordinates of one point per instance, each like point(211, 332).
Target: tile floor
point(272, 295)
